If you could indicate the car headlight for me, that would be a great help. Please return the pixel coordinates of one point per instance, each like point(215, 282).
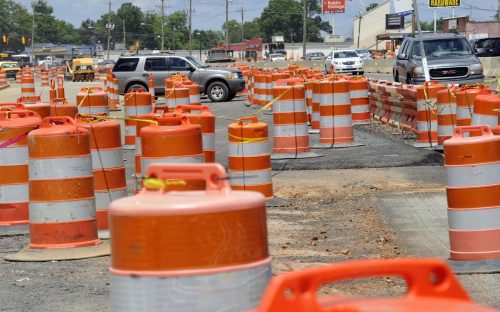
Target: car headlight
point(476, 69)
point(336, 63)
point(418, 71)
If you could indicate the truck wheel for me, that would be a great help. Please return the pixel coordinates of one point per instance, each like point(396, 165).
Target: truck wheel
point(217, 91)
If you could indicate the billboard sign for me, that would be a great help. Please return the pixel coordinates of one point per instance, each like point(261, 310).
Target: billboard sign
point(403, 7)
point(444, 3)
point(333, 6)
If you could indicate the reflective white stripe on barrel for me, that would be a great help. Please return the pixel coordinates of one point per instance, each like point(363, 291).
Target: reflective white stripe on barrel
point(445, 130)
point(60, 168)
point(335, 121)
point(478, 119)
point(423, 106)
point(473, 175)
point(12, 156)
point(249, 149)
point(358, 94)
point(110, 158)
point(447, 109)
point(289, 106)
point(464, 112)
point(223, 290)
point(130, 130)
point(138, 147)
point(104, 198)
point(474, 219)
point(208, 141)
point(250, 177)
point(65, 211)
point(424, 126)
point(329, 99)
point(360, 108)
point(14, 193)
point(194, 98)
point(137, 110)
point(293, 130)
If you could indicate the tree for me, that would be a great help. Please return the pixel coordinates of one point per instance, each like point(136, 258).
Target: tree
point(252, 29)
point(130, 17)
point(234, 31)
point(371, 6)
point(281, 17)
point(429, 26)
point(14, 24)
point(176, 32)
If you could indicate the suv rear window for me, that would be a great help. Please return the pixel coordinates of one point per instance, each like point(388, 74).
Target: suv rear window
point(126, 64)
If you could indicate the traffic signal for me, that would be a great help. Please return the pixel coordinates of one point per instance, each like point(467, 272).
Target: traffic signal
point(23, 40)
point(4, 39)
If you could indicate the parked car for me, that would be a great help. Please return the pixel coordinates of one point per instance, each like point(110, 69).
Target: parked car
point(220, 84)
point(344, 61)
point(449, 58)
point(486, 47)
point(276, 57)
point(364, 54)
point(314, 56)
point(10, 68)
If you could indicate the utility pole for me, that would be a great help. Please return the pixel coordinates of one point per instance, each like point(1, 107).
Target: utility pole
point(422, 50)
point(498, 11)
point(33, 34)
point(190, 35)
point(162, 24)
point(124, 36)
point(108, 26)
point(435, 20)
point(359, 27)
point(304, 30)
point(242, 30)
point(227, 24)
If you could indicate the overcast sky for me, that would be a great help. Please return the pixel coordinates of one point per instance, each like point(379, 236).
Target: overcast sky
point(210, 14)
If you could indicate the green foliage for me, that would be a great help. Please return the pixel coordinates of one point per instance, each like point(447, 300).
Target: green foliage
point(371, 6)
point(429, 26)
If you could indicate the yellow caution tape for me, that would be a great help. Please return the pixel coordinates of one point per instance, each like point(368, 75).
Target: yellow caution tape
point(99, 117)
point(160, 184)
point(247, 140)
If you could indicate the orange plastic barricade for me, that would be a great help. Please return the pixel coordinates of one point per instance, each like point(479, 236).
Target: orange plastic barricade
point(61, 193)
point(207, 248)
point(107, 166)
point(486, 108)
point(201, 115)
point(290, 133)
point(472, 163)
point(432, 286)
point(249, 156)
point(15, 125)
point(35, 104)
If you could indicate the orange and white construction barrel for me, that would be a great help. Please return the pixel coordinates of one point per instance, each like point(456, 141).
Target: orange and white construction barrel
point(203, 250)
point(27, 86)
point(249, 156)
point(427, 124)
point(3, 77)
point(201, 115)
point(35, 104)
point(335, 114)
point(176, 96)
point(14, 199)
point(44, 78)
point(137, 103)
point(315, 116)
point(446, 108)
point(179, 143)
point(360, 104)
point(107, 166)
point(92, 102)
point(472, 164)
point(466, 97)
point(290, 133)
point(486, 108)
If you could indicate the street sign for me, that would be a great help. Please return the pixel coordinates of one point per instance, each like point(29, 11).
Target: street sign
point(394, 21)
point(403, 7)
point(333, 6)
point(444, 3)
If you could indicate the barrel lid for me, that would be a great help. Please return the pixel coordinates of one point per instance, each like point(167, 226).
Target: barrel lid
point(177, 129)
point(58, 125)
point(217, 197)
point(471, 135)
point(18, 118)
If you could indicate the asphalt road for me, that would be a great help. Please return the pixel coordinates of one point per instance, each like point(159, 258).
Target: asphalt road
point(381, 199)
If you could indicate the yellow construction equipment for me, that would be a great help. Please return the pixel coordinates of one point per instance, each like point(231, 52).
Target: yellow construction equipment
point(80, 69)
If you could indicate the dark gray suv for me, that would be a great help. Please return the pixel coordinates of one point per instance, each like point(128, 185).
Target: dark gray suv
point(449, 57)
point(219, 84)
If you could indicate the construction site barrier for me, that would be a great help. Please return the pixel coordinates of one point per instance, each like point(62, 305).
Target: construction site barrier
point(92, 101)
point(35, 104)
point(486, 108)
point(431, 284)
point(137, 103)
point(473, 188)
point(15, 125)
point(182, 265)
